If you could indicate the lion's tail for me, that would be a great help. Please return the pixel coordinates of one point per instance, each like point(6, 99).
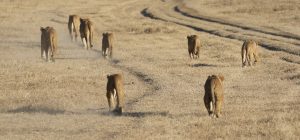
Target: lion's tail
point(243, 53)
point(70, 25)
point(212, 95)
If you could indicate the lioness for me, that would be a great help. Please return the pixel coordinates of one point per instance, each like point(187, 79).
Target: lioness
point(194, 46)
point(73, 26)
point(48, 42)
point(249, 49)
point(115, 91)
point(214, 95)
point(86, 32)
point(107, 44)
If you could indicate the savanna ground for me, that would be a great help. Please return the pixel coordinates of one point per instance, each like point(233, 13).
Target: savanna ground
point(164, 88)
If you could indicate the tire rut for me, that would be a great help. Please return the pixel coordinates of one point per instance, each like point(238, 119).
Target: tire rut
point(287, 47)
point(149, 82)
point(268, 45)
point(182, 9)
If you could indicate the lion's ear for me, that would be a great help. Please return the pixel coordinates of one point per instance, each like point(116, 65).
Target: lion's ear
point(111, 34)
point(221, 77)
point(108, 75)
point(41, 29)
point(188, 36)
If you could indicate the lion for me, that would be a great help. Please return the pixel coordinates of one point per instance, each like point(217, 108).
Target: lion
point(194, 46)
point(249, 50)
point(115, 92)
point(86, 32)
point(73, 26)
point(48, 42)
point(107, 44)
point(214, 95)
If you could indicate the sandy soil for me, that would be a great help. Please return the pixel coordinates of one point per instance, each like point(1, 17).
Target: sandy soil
point(164, 88)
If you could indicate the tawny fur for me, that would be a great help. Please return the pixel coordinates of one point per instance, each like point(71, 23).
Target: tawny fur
point(214, 95)
point(107, 44)
point(249, 50)
point(73, 26)
point(114, 90)
point(194, 46)
point(86, 32)
point(48, 42)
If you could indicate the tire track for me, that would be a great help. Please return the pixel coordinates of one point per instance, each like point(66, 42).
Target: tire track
point(182, 9)
point(152, 87)
point(287, 38)
point(163, 14)
point(268, 45)
point(128, 9)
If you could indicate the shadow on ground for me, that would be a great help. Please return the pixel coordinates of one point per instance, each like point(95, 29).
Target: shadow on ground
point(203, 65)
point(137, 114)
point(31, 109)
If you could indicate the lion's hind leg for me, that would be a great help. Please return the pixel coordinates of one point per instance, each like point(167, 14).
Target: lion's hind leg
point(208, 105)
point(43, 53)
point(47, 53)
point(84, 42)
point(106, 52)
point(197, 52)
point(103, 52)
point(256, 58)
point(244, 54)
point(119, 106)
point(76, 35)
point(70, 27)
point(218, 108)
point(244, 57)
point(248, 58)
point(88, 43)
point(111, 100)
point(72, 30)
point(120, 98)
point(110, 52)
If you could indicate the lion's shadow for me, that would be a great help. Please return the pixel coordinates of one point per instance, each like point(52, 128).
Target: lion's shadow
point(31, 109)
point(204, 65)
point(137, 114)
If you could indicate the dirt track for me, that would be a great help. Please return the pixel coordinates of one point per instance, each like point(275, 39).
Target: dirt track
point(164, 88)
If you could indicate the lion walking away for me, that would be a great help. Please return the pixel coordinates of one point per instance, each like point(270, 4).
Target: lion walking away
point(86, 32)
point(214, 95)
point(115, 93)
point(194, 46)
point(73, 26)
point(107, 44)
point(48, 42)
point(249, 50)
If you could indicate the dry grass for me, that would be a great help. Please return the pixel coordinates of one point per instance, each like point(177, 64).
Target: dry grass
point(163, 87)
point(282, 15)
